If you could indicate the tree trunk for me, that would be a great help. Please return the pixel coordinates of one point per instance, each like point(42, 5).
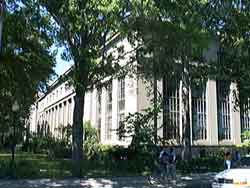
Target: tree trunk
point(155, 111)
point(13, 145)
point(13, 150)
point(186, 136)
point(164, 111)
point(77, 133)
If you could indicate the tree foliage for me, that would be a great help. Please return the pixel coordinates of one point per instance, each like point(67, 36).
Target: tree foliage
point(26, 60)
point(173, 39)
point(86, 29)
point(229, 22)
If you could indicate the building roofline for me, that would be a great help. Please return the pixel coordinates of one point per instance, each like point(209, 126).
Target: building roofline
point(114, 38)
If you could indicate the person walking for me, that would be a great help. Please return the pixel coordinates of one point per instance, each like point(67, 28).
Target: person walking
point(172, 164)
point(227, 159)
point(163, 158)
point(237, 159)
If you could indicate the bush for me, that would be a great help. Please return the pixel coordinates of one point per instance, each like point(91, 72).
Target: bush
point(55, 147)
point(91, 145)
point(142, 150)
point(201, 164)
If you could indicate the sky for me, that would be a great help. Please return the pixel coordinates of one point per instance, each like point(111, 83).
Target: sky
point(61, 65)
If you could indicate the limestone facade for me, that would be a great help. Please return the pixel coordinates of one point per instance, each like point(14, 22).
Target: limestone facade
point(215, 120)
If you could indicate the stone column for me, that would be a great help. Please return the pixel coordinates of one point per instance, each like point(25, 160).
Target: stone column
point(94, 109)
point(235, 114)
point(103, 115)
point(72, 110)
point(131, 99)
point(56, 121)
point(63, 115)
point(51, 119)
point(66, 113)
point(180, 111)
point(114, 127)
point(46, 118)
point(69, 111)
point(212, 119)
point(46, 121)
point(91, 107)
point(190, 115)
point(159, 123)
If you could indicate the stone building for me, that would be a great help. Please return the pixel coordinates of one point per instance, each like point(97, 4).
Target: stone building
point(215, 120)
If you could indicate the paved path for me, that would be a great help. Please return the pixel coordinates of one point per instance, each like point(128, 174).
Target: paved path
point(193, 180)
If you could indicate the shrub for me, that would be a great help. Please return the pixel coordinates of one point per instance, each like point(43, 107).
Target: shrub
point(142, 150)
point(91, 142)
point(55, 147)
point(201, 164)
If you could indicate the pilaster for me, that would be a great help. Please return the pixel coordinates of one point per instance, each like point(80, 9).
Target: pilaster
point(103, 117)
point(212, 119)
point(235, 114)
point(114, 126)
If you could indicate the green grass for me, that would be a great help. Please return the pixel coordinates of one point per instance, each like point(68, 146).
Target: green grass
point(33, 166)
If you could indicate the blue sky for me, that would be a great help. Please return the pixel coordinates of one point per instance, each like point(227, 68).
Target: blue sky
point(61, 65)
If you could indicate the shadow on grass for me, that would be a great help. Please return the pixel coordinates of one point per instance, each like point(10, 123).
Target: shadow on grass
point(120, 182)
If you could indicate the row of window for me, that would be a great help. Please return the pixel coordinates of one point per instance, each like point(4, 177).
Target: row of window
point(245, 116)
point(55, 116)
point(57, 92)
point(198, 109)
point(108, 115)
point(199, 112)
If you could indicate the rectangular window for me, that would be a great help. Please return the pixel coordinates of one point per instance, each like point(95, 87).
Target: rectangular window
point(109, 98)
point(121, 104)
point(99, 111)
point(109, 112)
point(108, 127)
point(199, 116)
point(99, 121)
point(173, 109)
point(121, 118)
point(223, 105)
point(245, 116)
point(99, 102)
point(121, 94)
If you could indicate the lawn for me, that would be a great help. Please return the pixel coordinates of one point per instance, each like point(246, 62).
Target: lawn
point(34, 166)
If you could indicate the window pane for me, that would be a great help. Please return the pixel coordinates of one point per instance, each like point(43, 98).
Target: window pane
point(173, 110)
point(109, 112)
point(199, 116)
point(223, 103)
point(121, 94)
point(245, 115)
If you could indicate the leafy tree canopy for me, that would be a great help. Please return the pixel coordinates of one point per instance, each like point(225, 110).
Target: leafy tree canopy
point(26, 57)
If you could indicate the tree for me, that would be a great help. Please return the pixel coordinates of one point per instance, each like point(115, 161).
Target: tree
point(1, 20)
point(25, 64)
point(229, 22)
point(85, 28)
point(175, 30)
